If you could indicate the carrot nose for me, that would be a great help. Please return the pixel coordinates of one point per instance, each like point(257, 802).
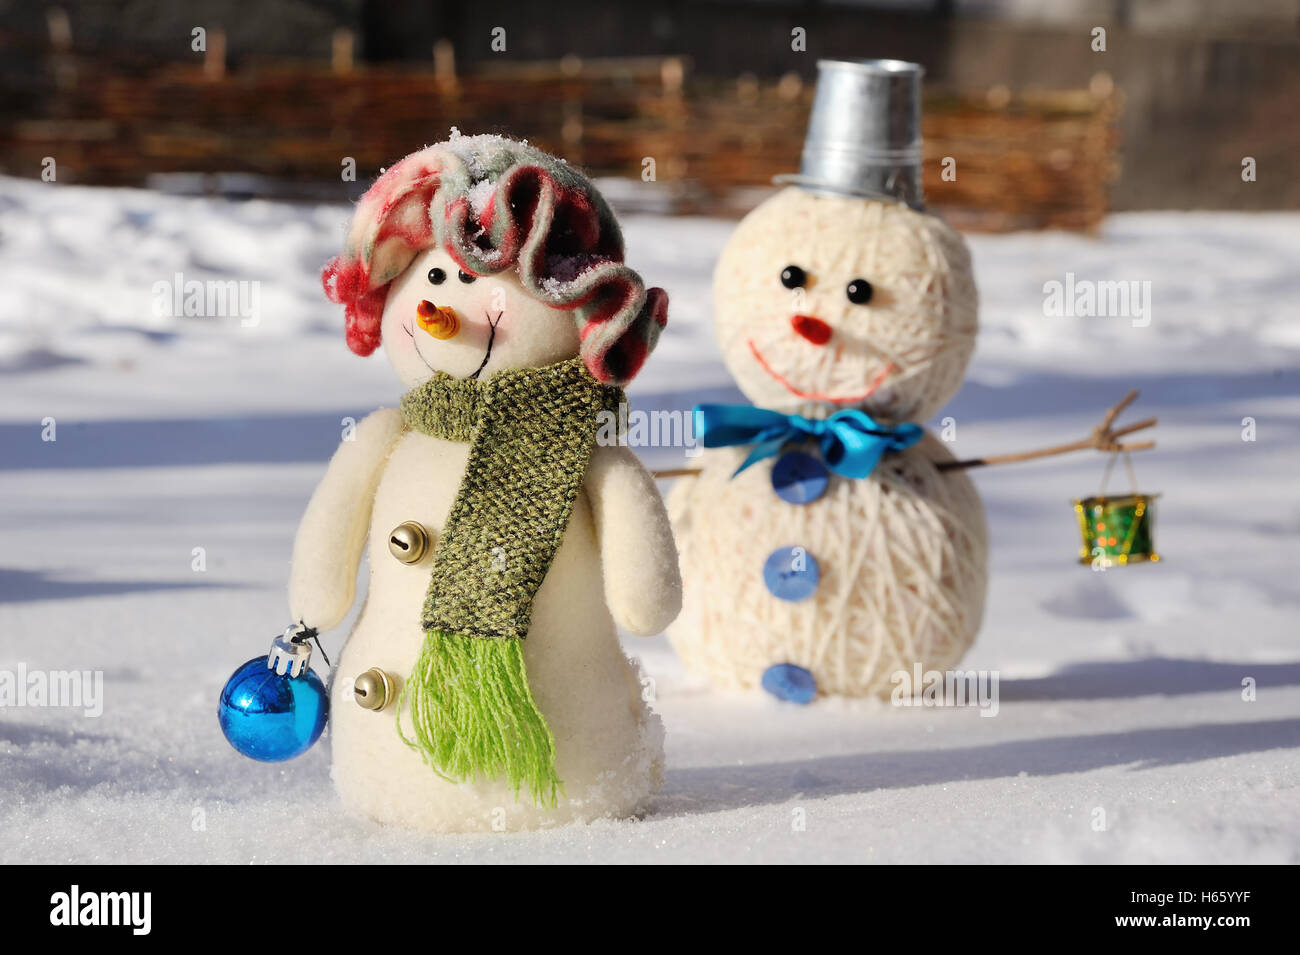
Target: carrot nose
point(438, 320)
point(813, 329)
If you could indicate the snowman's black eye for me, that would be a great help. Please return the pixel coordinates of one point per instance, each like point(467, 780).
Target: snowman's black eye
point(437, 276)
point(793, 277)
point(465, 276)
point(859, 291)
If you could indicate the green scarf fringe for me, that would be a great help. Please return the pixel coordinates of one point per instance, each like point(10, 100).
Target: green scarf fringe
point(530, 431)
point(473, 714)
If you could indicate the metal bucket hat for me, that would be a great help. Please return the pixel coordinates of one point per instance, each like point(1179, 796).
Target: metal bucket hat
point(864, 132)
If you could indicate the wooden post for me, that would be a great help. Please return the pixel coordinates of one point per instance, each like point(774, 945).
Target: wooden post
point(214, 57)
point(60, 27)
point(341, 51)
point(571, 130)
point(444, 64)
point(790, 87)
point(672, 74)
point(670, 164)
point(747, 89)
point(571, 126)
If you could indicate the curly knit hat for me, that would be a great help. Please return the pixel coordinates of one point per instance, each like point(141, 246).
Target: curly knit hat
point(493, 204)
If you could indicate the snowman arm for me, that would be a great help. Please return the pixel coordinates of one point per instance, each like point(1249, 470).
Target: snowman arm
point(643, 585)
point(332, 534)
point(1103, 438)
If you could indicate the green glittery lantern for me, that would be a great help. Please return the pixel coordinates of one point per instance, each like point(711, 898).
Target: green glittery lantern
point(1116, 530)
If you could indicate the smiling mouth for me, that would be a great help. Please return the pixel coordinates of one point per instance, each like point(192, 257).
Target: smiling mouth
point(492, 334)
point(812, 395)
point(416, 345)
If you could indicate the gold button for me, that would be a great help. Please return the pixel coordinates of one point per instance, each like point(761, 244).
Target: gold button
point(373, 689)
point(408, 542)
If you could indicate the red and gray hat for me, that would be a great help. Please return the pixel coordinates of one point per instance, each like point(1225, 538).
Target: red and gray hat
point(494, 204)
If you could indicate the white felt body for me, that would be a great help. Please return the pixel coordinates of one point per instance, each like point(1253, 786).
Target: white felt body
point(902, 557)
point(609, 743)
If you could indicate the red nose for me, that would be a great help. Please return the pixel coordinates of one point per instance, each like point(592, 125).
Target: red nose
point(813, 329)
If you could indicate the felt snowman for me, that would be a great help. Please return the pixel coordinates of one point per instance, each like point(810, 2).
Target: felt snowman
point(483, 685)
point(822, 548)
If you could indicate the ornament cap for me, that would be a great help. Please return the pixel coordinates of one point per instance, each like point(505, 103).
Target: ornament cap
point(290, 652)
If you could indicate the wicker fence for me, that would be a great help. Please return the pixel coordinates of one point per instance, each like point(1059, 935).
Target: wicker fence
point(1028, 160)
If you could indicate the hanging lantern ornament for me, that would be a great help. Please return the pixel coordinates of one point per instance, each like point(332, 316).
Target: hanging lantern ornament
point(1116, 530)
point(274, 707)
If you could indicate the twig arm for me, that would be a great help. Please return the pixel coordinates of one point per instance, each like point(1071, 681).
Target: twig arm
point(1012, 458)
point(1103, 438)
point(1119, 406)
point(1144, 423)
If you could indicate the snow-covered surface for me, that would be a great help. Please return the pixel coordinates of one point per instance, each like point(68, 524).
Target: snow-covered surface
point(1120, 692)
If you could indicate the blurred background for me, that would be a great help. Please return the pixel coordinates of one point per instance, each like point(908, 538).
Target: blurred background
point(1054, 122)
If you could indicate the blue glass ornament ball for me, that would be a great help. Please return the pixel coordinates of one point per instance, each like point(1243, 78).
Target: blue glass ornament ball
point(270, 717)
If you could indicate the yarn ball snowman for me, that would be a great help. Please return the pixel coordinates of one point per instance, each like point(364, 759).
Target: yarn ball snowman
point(822, 550)
point(483, 686)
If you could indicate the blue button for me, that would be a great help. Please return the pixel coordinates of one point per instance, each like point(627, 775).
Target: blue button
point(799, 478)
point(791, 573)
point(785, 681)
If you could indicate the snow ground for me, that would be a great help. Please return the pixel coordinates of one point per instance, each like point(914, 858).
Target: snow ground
point(1120, 691)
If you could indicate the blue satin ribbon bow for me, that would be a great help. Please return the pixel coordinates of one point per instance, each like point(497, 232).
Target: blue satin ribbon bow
point(851, 441)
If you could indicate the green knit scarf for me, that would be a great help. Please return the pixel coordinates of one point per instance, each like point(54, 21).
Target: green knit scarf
point(530, 433)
